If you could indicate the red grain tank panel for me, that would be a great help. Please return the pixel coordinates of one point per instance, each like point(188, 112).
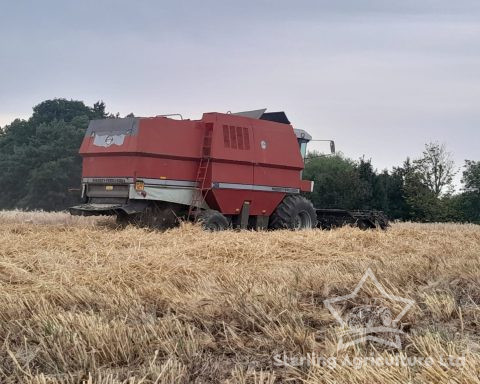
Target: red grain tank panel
point(170, 138)
point(266, 150)
point(158, 148)
point(256, 153)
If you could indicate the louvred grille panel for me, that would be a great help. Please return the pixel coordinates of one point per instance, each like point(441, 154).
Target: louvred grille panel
point(236, 137)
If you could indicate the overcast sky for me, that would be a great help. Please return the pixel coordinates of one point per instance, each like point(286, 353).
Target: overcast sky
point(379, 77)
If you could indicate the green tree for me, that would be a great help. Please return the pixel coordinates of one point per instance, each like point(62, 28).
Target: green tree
point(376, 187)
point(99, 110)
point(367, 177)
point(39, 157)
point(471, 176)
point(428, 187)
point(61, 109)
point(436, 169)
point(336, 181)
point(469, 202)
point(423, 204)
point(391, 197)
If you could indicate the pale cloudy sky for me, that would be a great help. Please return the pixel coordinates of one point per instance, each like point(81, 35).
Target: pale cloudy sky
point(381, 77)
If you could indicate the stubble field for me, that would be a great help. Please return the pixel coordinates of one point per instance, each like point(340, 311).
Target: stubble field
point(83, 301)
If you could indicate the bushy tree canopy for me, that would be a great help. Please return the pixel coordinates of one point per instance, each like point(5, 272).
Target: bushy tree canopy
point(39, 158)
point(436, 169)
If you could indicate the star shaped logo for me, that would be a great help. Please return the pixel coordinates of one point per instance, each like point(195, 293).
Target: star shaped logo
point(365, 322)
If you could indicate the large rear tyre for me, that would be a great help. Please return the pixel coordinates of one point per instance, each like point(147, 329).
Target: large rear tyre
point(294, 212)
point(212, 220)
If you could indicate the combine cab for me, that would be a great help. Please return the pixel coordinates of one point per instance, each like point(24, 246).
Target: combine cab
point(225, 170)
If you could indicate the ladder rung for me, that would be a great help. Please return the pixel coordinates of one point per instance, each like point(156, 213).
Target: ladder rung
point(202, 169)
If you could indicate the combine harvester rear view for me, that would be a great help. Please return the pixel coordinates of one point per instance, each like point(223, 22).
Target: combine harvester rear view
point(240, 170)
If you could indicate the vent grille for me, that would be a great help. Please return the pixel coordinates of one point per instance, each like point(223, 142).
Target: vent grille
point(236, 137)
point(226, 136)
point(240, 137)
point(246, 139)
point(233, 137)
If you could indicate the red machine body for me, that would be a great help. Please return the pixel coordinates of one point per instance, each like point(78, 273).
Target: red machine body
point(241, 170)
point(249, 160)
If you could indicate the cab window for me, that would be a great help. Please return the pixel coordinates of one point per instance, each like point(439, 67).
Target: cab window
point(303, 148)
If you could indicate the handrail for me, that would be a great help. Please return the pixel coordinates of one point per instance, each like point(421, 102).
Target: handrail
point(171, 114)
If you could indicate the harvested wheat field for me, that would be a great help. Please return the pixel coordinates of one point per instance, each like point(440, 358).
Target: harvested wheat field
point(82, 301)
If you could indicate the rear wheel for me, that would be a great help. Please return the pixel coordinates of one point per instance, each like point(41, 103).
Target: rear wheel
point(294, 212)
point(212, 220)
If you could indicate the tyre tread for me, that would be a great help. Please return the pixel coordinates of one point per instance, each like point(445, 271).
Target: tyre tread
point(282, 217)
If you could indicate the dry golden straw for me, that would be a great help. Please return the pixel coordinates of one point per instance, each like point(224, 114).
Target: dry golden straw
point(83, 301)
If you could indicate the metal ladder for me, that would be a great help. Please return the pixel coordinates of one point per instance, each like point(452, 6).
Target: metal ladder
point(198, 195)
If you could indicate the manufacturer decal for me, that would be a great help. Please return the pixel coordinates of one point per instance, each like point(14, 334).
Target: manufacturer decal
point(108, 140)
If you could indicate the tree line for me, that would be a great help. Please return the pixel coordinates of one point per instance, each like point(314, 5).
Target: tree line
point(419, 190)
point(39, 163)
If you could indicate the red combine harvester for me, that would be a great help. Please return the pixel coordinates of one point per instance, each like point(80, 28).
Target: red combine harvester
point(241, 170)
